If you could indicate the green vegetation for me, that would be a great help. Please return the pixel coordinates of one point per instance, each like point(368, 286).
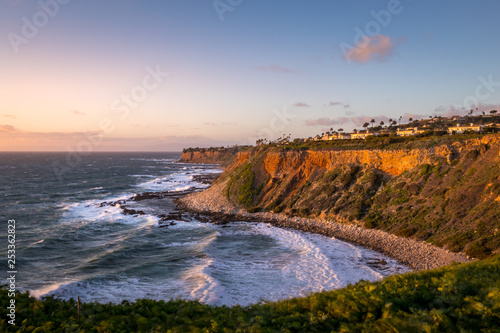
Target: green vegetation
point(434, 128)
point(241, 186)
point(457, 298)
point(383, 142)
point(451, 202)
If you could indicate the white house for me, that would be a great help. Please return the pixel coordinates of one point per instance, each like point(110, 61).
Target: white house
point(460, 129)
point(409, 131)
point(360, 135)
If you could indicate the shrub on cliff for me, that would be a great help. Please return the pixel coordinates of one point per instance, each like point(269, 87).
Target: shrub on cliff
point(241, 186)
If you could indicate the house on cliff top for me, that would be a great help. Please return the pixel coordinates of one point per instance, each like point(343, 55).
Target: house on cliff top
point(361, 135)
point(461, 129)
point(409, 131)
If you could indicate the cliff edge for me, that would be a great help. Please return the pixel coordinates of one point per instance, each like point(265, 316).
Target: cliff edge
point(447, 195)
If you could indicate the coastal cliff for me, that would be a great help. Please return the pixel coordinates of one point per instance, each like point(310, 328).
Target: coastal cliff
point(445, 194)
point(219, 155)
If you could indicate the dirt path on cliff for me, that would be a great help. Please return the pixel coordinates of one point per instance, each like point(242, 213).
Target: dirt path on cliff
point(417, 255)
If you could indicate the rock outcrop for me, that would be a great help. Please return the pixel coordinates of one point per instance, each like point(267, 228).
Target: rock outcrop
point(224, 156)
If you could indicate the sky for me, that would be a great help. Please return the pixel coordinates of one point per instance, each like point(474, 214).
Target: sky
point(129, 75)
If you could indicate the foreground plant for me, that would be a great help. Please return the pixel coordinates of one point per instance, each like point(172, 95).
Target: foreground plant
point(457, 298)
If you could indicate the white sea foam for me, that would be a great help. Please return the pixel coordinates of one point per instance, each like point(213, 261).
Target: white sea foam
point(46, 290)
point(205, 288)
point(89, 211)
point(201, 284)
point(301, 263)
point(178, 181)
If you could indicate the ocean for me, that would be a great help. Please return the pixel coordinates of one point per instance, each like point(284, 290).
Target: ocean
point(69, 244)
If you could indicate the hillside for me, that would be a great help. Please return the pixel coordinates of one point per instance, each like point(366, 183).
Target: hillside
point(444, 192)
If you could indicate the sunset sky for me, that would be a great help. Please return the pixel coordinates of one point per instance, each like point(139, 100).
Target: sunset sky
point(103, 75)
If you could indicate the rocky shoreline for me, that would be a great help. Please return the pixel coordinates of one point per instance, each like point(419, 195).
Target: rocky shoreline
point(213, 204)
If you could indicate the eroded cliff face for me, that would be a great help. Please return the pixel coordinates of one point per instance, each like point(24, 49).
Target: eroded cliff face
point(447, 194)
point(224, 156)
point(392, 162)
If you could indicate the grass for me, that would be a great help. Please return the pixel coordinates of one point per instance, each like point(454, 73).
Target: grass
point(456, 298)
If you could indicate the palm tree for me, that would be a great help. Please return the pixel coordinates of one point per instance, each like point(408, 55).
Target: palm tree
point(381, 123)
point(365, 125)
point(410, 119)
point(373, 122)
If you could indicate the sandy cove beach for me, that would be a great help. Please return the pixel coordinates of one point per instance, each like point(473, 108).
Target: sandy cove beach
point(415, 254)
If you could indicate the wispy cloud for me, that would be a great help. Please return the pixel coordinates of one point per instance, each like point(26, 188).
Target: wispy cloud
point(300, 104)
point(360, 120)
point(275, 69)
point(357, 120)
point(346, 106)
point(325, 121)
point(10, 116)
point(209, 123)
point(7, 129)
point(78, 113)
point(378, 48)
point(141, 126)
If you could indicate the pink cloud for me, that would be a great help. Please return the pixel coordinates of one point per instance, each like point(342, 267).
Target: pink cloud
point(379, 48)
point(360, 120)
point(414, 116)
point(78, 113)
point(324, 121)
point(7, 128)
point(9, 116)
point(275, 68)
point(300, 104)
